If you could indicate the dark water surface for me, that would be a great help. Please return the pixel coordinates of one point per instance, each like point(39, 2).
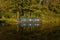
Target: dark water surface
point(9, 32)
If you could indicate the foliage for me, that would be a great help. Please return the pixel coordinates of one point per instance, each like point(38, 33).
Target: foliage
point(47, 10)
point(29, 7)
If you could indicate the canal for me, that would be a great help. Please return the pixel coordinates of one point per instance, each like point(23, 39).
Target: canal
point(45, 31)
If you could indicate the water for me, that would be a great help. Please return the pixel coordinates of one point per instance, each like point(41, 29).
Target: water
point(43, 32)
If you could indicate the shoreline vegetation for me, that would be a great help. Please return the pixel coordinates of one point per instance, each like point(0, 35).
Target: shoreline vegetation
point(47, 10)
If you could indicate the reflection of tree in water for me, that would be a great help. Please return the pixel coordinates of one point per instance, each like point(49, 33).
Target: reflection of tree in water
point(46, 34)
point(35, 34)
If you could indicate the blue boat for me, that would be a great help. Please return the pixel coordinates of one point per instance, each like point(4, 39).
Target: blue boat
point(29, 19)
